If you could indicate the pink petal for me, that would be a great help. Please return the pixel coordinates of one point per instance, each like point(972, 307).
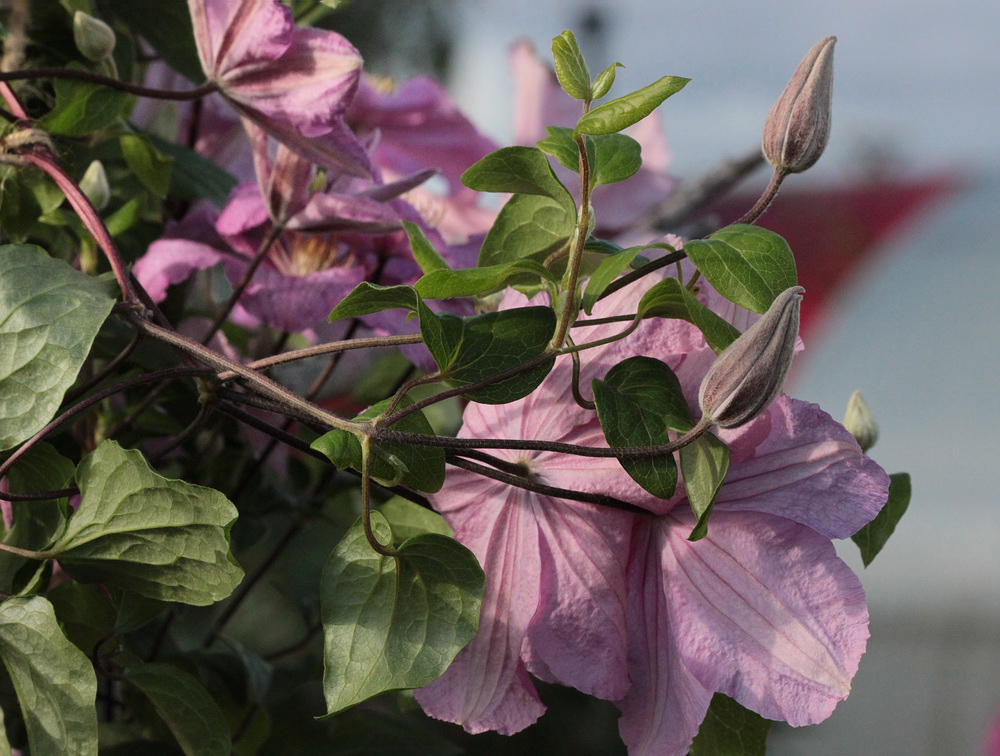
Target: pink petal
point(765, 612)
point(295, 303)
point(170, 261)
point(795, 461)
point(229, 32)
point(244, 211)
point(342, 212)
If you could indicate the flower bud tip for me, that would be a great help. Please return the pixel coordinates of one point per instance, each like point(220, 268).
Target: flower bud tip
point(860, 422)
point(94, 39)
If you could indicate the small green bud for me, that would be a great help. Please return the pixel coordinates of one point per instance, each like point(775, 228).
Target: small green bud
point(94, 39)
point(859, 421)
point(95, 185)
point(798, 126)
point(746, 377)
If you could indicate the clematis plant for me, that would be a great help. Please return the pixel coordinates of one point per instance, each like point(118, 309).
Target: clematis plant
point(548, 462)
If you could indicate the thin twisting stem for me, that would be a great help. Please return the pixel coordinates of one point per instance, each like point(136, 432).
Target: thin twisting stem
point(366, 500)
point(107, 81)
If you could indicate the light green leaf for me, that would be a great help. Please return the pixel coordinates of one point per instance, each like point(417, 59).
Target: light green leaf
point(609, 269)
point(518, 170)
point(134, 529)
point(126, 216)
point(474, 282)
point(4, 742)
point(571, 68)
point(669, 299)
point(189, 711)
point(83, 108)
point(428, 258)
point(394, 623)
point(638, 402)
point(151, 167)
point(619, 114)
point(873, 536)
point(527, 226)
point(617, 158)
point(409, 519)
point(419, 467)
point(730, 730)
point(560, 144)
point(704, 463)
point(602, 84)
point(367, 298)
point(49, 316)
point(472, 349)
point(747, 265)
point(55, 682)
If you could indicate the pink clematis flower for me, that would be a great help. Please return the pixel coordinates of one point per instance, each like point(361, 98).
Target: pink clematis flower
point(295, 83)
point(761, 609)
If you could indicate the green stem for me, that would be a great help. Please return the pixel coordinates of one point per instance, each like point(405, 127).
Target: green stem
point(366, 500)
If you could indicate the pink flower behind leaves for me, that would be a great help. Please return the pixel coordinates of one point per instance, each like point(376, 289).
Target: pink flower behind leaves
point(761, 609)
point(295, 83)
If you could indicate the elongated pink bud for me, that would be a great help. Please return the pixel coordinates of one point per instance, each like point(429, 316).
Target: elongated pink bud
point(751, 371)
point(798, 125)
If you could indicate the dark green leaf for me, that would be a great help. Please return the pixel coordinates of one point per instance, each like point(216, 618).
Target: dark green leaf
point(165, 539)
point(189, 711)
point(602, 84)
point(409, 519)
point(83, 108)
point(746, 264)
point(367, 298)
point(4, 742)
point(151, 167)
point(393, 623)
point(85, 614)
point(669, 299)
point(527, 226)
point(474, 282)
point(49, 316)
point(638, 401)
point(471, 349)
point(193, 176)
point(704, 463)
point(623, 112)
point(419, 467)
point(19, 208)
point(730, 730)
point(519, 170)
point(55, 682)
point(372, 733)
point(571, 68)
point(873, 536)
point(166, 25)
point(428, 258)
point(609, 269)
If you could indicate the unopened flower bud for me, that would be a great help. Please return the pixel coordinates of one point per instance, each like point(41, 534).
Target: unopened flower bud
point(752, 370)
point(859, 421)
point(798, 125)
point(94, 38)
point(95, 185)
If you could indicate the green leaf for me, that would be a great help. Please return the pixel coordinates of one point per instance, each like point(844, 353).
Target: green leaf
point(85, 614)
point(618, 157)
point(730, 730)
point(571, 68)
point(669, 299)
point(55, 682)
point(474, 282)
point(367, 298)
point(394, 623)
point(619, 114)
point(165, 539)
point(527, 226)
point(638, 401)
point(428, 258)
point(747, 265)
point(560, 144)
point(704, 463)
point(873, 536)
point(151, 167)
point(4, 742)
point(189, 711)
point(126, 216)
point(419, 467)
point(193, 176)
point(166, 25)
point(602, 84)
point(83, 108)
point(49, 316)
point(518, 170)
point(609, 269)
point(472, 349)
point(409, 519)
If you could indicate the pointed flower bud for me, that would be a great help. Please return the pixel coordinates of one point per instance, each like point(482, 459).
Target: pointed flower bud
point(798, 125)
point(751, 371)
point(859, 421)
point(95, 185)
point(94, 39)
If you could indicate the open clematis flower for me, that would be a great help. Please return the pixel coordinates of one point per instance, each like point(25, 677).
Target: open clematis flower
point(761, 609)
point(295, 83)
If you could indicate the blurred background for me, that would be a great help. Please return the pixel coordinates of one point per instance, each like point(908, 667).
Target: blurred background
point(891, 230)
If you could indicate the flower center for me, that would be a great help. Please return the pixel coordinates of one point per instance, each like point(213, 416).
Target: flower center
point(296, 254)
